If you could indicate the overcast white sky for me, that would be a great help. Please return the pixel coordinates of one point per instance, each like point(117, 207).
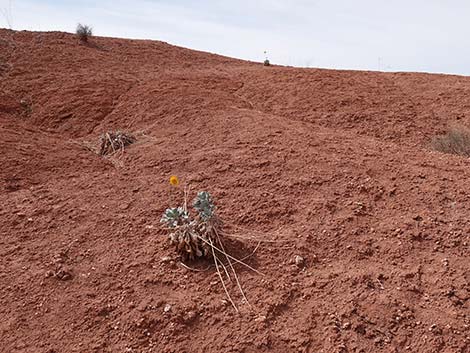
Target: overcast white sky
point(398, 35)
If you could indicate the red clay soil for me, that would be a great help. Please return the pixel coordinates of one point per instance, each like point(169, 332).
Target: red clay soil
point(331, 166)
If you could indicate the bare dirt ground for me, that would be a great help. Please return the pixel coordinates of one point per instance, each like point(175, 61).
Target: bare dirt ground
point(332, 166)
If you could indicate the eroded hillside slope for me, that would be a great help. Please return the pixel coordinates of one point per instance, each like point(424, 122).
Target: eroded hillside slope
point(332, 166)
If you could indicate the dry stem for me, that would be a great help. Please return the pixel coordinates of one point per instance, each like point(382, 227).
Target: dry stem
point(221, 278)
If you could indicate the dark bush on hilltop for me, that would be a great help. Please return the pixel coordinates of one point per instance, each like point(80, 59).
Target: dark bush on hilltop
point(83, 32)
point(455, 141)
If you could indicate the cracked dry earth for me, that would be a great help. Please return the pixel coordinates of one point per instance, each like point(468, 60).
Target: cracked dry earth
point(333, 167)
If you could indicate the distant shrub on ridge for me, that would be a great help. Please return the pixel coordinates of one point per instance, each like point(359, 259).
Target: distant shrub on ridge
point(83, 32)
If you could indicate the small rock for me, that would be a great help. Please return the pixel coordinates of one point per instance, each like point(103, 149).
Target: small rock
point(378, 340)
point(435, 329)
point(299, 261)
point(167, 308)
point(190, 316)
point(166, 259)
point(63, 274)
point(261, 318)
point(142, 306)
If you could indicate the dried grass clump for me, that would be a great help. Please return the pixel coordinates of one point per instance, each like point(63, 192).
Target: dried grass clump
point(83, 32)
point(112, 142)
point(455, 141)
point(199, 237)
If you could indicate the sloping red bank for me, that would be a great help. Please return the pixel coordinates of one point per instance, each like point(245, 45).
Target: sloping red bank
point(332, 166)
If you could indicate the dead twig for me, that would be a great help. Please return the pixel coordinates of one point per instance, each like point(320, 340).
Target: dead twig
point(231, 267)
point(216, 260)
point(257, 235)
point(252, 253)
point(193, 269)
point(232, 258)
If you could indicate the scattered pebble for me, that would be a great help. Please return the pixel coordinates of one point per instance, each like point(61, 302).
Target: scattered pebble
point(299, 261)
point(261, 318)
point(190, 316)
point(63, 275)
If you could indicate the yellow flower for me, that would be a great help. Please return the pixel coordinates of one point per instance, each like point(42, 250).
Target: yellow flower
point(174, 180)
